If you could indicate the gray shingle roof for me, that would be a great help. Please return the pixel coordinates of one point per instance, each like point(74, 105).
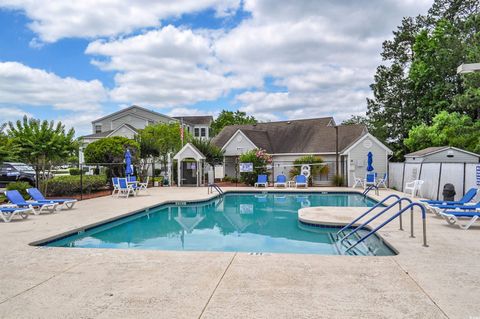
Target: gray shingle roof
point(295, 136)
point(196, 120)
point(427, 151)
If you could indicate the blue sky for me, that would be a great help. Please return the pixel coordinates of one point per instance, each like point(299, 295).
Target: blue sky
point(76, 61)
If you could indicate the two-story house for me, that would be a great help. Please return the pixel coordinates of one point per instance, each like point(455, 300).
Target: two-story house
point(128, 121)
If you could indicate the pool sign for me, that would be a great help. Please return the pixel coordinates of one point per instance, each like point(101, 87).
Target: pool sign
point(305, 170)
point(478, 175)
point(246, 167)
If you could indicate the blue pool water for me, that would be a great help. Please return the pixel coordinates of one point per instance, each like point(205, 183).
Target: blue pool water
point(233, 222)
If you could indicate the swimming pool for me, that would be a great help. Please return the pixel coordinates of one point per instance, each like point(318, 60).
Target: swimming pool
point(244, 222)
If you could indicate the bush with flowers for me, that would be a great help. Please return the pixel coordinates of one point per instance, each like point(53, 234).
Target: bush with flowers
point(260, 159)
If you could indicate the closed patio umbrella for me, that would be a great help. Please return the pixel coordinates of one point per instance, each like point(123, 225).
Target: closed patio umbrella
point(128, 163)
point(369, 162)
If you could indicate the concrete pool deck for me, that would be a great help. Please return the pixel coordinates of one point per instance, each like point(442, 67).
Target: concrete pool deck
point(441, 281)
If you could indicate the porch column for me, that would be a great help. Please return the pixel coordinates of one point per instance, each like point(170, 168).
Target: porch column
point(198, 173)
point(179, 174)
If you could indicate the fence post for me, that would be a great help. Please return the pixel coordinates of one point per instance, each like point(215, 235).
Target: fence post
point(464, 176)
point(403, 175)
point(81, 181)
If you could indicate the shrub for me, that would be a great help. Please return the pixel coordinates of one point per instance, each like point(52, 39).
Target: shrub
point(158, 171)
point(21, 187)
point(338, 180)
point(260, 159)
point(74, 171)
point(70, 185)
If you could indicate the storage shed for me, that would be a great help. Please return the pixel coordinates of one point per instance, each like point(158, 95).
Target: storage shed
point(442, 154)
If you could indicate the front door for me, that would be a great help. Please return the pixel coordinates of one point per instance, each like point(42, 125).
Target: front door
point(189, 172)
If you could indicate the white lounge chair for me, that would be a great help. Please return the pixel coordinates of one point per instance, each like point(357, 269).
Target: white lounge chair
point(453, 217)
point(115, 185)
point(413, 187)
point(16, 198)
point(7, 213)
point(38, 196)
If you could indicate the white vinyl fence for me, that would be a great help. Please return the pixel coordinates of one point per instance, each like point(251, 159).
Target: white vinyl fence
point(435, 176)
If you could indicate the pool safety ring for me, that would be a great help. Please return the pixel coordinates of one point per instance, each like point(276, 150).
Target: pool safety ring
point(305, 171)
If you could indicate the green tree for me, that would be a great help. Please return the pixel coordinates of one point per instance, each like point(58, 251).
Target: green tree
point(111, 150)
point(41, 143)
point(4, 141)
point(213, 154)
point(260, 159)
point(447, 129)
point(315, 170)
point(226, 118)
point(420, 79)
point(357, 119)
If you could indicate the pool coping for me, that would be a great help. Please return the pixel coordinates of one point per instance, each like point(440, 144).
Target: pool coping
point(41, 243)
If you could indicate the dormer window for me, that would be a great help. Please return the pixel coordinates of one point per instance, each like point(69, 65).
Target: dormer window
point(98, 128)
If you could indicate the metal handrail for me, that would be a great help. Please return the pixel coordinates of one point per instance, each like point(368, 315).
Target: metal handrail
point(399, 213)
point(216, 187)
point(369, 188)
point(368, 211)
point(398, 201)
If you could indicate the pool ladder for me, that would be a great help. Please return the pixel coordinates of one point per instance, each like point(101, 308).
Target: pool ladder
point(212, 187)
point(345, 240)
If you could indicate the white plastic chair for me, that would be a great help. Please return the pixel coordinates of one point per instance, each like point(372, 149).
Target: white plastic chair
point(382, 182)
point(144, 186)
point(413, 187)
point(357, 181)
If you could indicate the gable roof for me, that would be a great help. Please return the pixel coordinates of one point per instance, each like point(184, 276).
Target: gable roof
point(196, 120)
point(363, 137)
point(110, 132)
point(296, 136)
point(131, 108)
point(435, 149)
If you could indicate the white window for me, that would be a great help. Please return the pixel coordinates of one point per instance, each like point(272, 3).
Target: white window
point(98, 128)
point(203, 132)
point(196, 132)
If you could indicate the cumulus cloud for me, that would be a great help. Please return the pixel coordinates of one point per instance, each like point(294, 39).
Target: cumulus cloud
point(20, 84)
point(56, 19)
point(162, 68)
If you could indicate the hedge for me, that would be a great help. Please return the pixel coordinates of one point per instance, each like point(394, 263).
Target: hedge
point(70, 185)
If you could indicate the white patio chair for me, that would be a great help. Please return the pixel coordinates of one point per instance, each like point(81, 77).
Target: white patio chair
point(144, 186)
point(357, 181)
point(413, 187)
point(382, 182)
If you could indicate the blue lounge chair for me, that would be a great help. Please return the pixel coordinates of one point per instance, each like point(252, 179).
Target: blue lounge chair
point(370, 179)
point(261, 181)
point(17, 199)
point(281, 181)
point(38, 196)
point(7, 213)
point(124, 188)
point(438, 209)
point(454, 216)
point(301, 180)
point(470, 195)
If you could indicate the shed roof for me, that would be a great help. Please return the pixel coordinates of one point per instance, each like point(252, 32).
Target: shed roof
point(435, 149)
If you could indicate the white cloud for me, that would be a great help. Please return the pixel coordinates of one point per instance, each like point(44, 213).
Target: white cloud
point(81, 122)
point(56, 19)
point(162, 68)
point(183, 111)
point(22, 85)
point(12, 114)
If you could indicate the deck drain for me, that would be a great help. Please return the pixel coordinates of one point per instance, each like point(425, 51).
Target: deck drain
point(256, 254)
